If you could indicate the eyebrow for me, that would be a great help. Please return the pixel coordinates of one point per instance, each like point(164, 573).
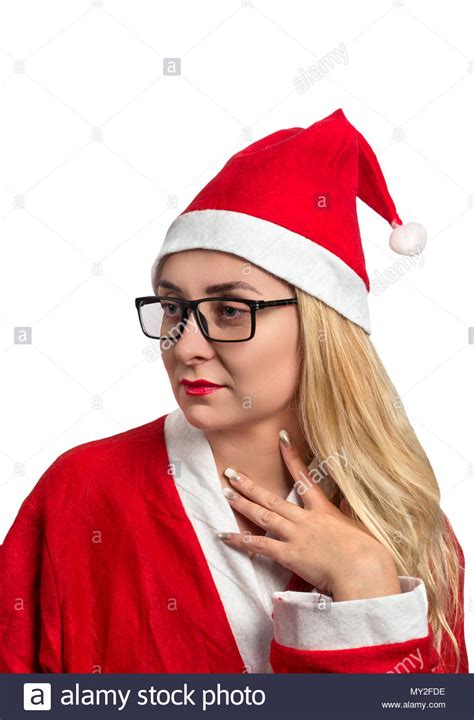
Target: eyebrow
point(220, 287)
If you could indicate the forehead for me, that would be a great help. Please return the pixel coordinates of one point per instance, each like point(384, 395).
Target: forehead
point(195, 270)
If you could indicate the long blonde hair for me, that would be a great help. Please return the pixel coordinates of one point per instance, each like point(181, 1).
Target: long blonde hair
point(345, 399)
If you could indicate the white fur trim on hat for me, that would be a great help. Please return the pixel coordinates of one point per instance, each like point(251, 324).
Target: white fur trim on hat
point(286, 254)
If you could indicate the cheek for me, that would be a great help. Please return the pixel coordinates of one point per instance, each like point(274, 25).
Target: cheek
point(283, 367)
point(268, 366)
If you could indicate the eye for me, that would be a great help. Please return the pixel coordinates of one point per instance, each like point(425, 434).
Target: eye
point(169, 308)
point(231, 311)
point(236, 311)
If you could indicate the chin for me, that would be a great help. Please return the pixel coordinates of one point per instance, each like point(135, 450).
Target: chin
point(203, 416)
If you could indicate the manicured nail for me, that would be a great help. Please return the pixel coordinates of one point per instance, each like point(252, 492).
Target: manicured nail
point(230, 494)
point(223, 535)
point(285, 438)
point(232, 474)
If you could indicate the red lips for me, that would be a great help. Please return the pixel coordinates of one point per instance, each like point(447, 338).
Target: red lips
point(199, 383)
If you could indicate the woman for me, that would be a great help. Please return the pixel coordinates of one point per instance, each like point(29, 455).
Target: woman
point(284, 518)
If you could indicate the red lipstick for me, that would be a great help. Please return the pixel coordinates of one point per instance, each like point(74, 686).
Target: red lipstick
point(199, 387)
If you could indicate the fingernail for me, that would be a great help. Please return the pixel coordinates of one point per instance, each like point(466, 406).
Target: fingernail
point(285, 438)
point(223, 535)
point(232, 474)
point(230, 494)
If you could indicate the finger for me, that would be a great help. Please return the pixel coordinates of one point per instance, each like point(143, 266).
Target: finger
point(312, 495)
point(263, 497)
point(257, 544)
point(262, 516)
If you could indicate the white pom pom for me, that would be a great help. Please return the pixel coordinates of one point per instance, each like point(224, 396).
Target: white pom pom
point(408, 239)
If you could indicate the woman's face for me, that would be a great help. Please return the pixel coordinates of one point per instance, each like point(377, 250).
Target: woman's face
point(260, 375)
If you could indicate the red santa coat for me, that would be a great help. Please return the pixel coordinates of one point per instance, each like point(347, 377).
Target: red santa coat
point(112, 565)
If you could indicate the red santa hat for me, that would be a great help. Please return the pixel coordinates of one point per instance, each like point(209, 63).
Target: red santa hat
point(287, 203)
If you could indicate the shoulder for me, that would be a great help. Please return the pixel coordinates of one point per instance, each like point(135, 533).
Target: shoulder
point(86, 468)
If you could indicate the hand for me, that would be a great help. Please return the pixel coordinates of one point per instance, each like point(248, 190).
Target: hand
point(321, 543)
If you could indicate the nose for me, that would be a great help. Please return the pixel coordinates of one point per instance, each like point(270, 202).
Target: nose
point(202, 320)
point(192, 342)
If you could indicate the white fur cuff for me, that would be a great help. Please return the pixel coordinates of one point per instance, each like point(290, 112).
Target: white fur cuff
point(313, 621)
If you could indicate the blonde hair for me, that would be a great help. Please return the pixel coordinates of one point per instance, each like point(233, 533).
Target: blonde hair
point(345, 399)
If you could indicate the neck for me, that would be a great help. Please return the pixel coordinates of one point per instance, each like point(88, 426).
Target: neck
point(254, 449)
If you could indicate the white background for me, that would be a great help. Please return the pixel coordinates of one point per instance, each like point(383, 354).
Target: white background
point(100, 151)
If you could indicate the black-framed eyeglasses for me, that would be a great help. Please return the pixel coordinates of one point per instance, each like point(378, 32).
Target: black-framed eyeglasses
point(220, 319)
